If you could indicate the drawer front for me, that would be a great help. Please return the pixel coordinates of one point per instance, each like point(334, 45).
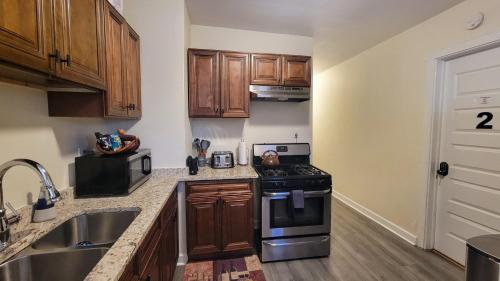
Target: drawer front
point(218, 187)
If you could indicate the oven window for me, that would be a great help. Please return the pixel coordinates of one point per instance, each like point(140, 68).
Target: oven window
point(284, 215)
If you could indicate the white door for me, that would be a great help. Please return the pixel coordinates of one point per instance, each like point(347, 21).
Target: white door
point(469, 196)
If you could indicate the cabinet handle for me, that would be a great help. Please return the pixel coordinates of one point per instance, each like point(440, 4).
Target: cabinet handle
point(148, 278)
point(67, 60)
point(55, 55)
point(131, 106)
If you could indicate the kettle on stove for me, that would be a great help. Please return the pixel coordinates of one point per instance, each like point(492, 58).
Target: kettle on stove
point(270, 158)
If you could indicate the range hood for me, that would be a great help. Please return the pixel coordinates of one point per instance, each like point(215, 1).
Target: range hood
point(280, 93)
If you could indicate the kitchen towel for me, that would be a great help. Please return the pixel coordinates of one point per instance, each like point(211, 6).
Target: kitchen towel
point(298, 199)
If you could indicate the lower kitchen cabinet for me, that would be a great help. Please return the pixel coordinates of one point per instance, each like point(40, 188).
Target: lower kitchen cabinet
point(219, 219)
point(236, 224)
point(157, 256)
point(170, 244)
point(203, 224)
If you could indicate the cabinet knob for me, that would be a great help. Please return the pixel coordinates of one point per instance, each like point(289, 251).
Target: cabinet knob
point(130, 106)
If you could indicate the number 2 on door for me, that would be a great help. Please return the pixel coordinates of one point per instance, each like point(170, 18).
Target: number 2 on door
point(484, 124)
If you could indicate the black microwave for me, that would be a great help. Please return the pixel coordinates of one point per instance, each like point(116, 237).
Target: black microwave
point(99, 175)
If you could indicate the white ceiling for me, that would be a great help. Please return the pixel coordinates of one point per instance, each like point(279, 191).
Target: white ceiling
point(345, 27)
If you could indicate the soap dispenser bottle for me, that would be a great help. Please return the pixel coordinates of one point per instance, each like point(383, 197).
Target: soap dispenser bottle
point(44, 209)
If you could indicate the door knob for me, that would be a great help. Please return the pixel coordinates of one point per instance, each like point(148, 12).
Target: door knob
point(443, 169)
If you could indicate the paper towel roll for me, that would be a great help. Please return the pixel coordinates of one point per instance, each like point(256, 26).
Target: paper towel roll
point(242, 153)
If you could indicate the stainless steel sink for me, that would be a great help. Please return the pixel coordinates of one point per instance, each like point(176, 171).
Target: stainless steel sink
point(71, 250)
point(55, 266)
point(88, 230)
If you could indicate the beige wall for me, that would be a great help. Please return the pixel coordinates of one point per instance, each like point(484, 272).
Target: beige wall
point(372, 115)
point(162, 27)
point(269, 121)
point(26, 131)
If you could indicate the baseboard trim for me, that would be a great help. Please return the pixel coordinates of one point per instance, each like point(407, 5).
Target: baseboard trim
point(182, 260)
point(387, 224)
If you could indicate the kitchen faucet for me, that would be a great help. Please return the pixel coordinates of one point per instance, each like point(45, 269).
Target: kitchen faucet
point(47, 183)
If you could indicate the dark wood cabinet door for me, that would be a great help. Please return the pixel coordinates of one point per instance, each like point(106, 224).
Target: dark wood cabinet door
point(133, 73)
point(237, 224)
point(204, 95)
point(297, 71)
point(115, 28)
point(235, 82)
point(170, 245)
point(80, 40)
point(129, 274)
point(266, 69)
point(26, 33)
point(154, 272)
point(203, 225)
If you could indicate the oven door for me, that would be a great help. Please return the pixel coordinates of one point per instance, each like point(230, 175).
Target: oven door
point(280, 220)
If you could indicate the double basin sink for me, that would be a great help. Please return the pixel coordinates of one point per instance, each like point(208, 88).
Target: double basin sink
point(71, 250)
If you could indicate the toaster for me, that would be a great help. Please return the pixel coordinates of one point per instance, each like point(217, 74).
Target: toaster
point(222, 160)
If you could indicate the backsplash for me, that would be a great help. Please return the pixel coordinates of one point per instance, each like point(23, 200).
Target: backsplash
point(268, 122)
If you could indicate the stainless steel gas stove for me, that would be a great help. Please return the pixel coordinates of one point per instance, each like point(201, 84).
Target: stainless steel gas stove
point(295, 205)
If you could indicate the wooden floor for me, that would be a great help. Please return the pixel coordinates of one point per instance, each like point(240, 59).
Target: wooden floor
point(363, 251)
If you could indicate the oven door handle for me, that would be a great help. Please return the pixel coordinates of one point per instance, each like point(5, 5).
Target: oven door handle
point(295, 243)
point(319, 192)
point(281, 194)
point(276, 194)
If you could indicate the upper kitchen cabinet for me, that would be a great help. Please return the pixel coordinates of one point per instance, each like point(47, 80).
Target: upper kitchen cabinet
point(281, 70)
point(297, 71)
point(115, 29)
point(133, 73)
point(111, 65)
point(266, 69)
point(218, 84)
point(235, 82)
point(62, 40)
point(80, 41)
point(26, 33)
point(204, 95)
point(123, 93)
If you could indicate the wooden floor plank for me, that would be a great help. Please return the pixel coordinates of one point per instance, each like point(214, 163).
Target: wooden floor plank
point(362, 250)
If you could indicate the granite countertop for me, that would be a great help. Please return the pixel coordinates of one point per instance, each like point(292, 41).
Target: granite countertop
point(150, 198)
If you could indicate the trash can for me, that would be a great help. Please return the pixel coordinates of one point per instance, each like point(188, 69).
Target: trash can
point(483, 258)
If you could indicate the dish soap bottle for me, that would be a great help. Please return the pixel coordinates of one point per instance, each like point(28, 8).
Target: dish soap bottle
point(44, 209)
